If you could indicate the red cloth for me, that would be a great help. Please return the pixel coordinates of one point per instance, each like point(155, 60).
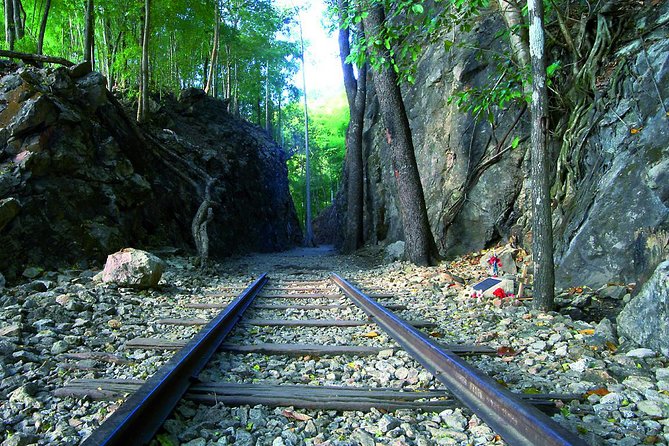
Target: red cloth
point(499, 292)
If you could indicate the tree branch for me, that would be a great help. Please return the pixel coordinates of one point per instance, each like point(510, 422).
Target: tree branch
point(35, 58)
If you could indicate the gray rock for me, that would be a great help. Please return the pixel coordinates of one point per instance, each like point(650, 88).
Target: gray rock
point(454, 419)
point(80, 69)
point(605, 331)
point(310, 429)
point(363, 438)
point(196, 442)
point(613, 291)
point(59, 347)
point(645, 319)
point(388, 423)
point(662, 374)
point(9, 209)
point(582, 300)
point(32, 272)
point(6, 347)
point(394, 251)
point(26, 356)
point(19, 439)
point(638, 383)
point(133, 268)
point(36, 111)
point(650, 408)
point(641, 353)
point(243, 438)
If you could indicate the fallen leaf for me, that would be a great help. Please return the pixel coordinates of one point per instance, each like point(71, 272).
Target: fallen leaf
point(611, 346)
point(587, 331)
point(296, 415)
point(635, 130)
point(436, 334)
point(371, 334)
point(506, 351)
point(600, 392)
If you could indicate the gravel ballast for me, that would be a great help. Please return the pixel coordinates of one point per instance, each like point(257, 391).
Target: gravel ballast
point(50, 325)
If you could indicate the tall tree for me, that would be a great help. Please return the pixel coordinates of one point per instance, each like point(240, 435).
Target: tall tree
point(42, 27)
point(356, 93)
point(308, 230)
point(9, 24)
point(213, 64)
point(15, 22)
point(142, 106)
point(542, 228)
point(420, 247)
point(512, 14)
point(89, 34)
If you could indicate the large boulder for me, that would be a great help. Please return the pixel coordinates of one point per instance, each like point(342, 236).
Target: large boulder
point(133, 268)
point(645, 319)
point(77, 178)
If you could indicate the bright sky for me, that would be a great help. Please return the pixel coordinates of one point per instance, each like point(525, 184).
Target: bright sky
point(323, 69)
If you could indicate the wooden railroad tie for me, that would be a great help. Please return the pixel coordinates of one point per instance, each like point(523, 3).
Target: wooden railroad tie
point(292, 322)
point(299, 396)
point(297, 349)
point(284, 295)
point(206, 306)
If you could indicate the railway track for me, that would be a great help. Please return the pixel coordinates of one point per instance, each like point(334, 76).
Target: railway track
point(349, 324)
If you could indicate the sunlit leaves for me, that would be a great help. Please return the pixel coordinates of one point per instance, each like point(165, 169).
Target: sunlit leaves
point(327, 130)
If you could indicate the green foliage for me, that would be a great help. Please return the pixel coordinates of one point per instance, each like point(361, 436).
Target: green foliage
point(409, 24)
point(255, 45)
point(327, 142)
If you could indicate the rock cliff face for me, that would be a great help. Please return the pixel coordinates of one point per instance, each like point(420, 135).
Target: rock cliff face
point(618, 199)
point(79, 180)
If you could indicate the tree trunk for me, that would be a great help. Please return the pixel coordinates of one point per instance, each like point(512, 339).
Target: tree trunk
point(356, 93)
point(542, 227)
point(35, 58)
point(513, 17)
point(420, 247)
point(89, 42)
point(19, 19)
point(268, 120)
point(142, 108)
point(308, 230)
point(214, 56)
point(355, 192)
point(42, 27)
point(9, 24)
point(203, 217)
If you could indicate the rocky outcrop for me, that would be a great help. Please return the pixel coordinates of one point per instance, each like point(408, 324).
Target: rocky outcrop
point(618, 200)
point(645, 319)
point(133, 268)
point(79, 180)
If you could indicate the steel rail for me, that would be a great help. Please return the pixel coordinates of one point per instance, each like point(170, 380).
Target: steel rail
point(144, 412)
point(515, 421)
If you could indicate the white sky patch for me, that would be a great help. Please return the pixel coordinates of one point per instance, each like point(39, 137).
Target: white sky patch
point(323, 69)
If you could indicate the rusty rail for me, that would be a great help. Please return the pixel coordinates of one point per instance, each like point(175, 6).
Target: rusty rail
point(144, 412)
point(515, 421)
